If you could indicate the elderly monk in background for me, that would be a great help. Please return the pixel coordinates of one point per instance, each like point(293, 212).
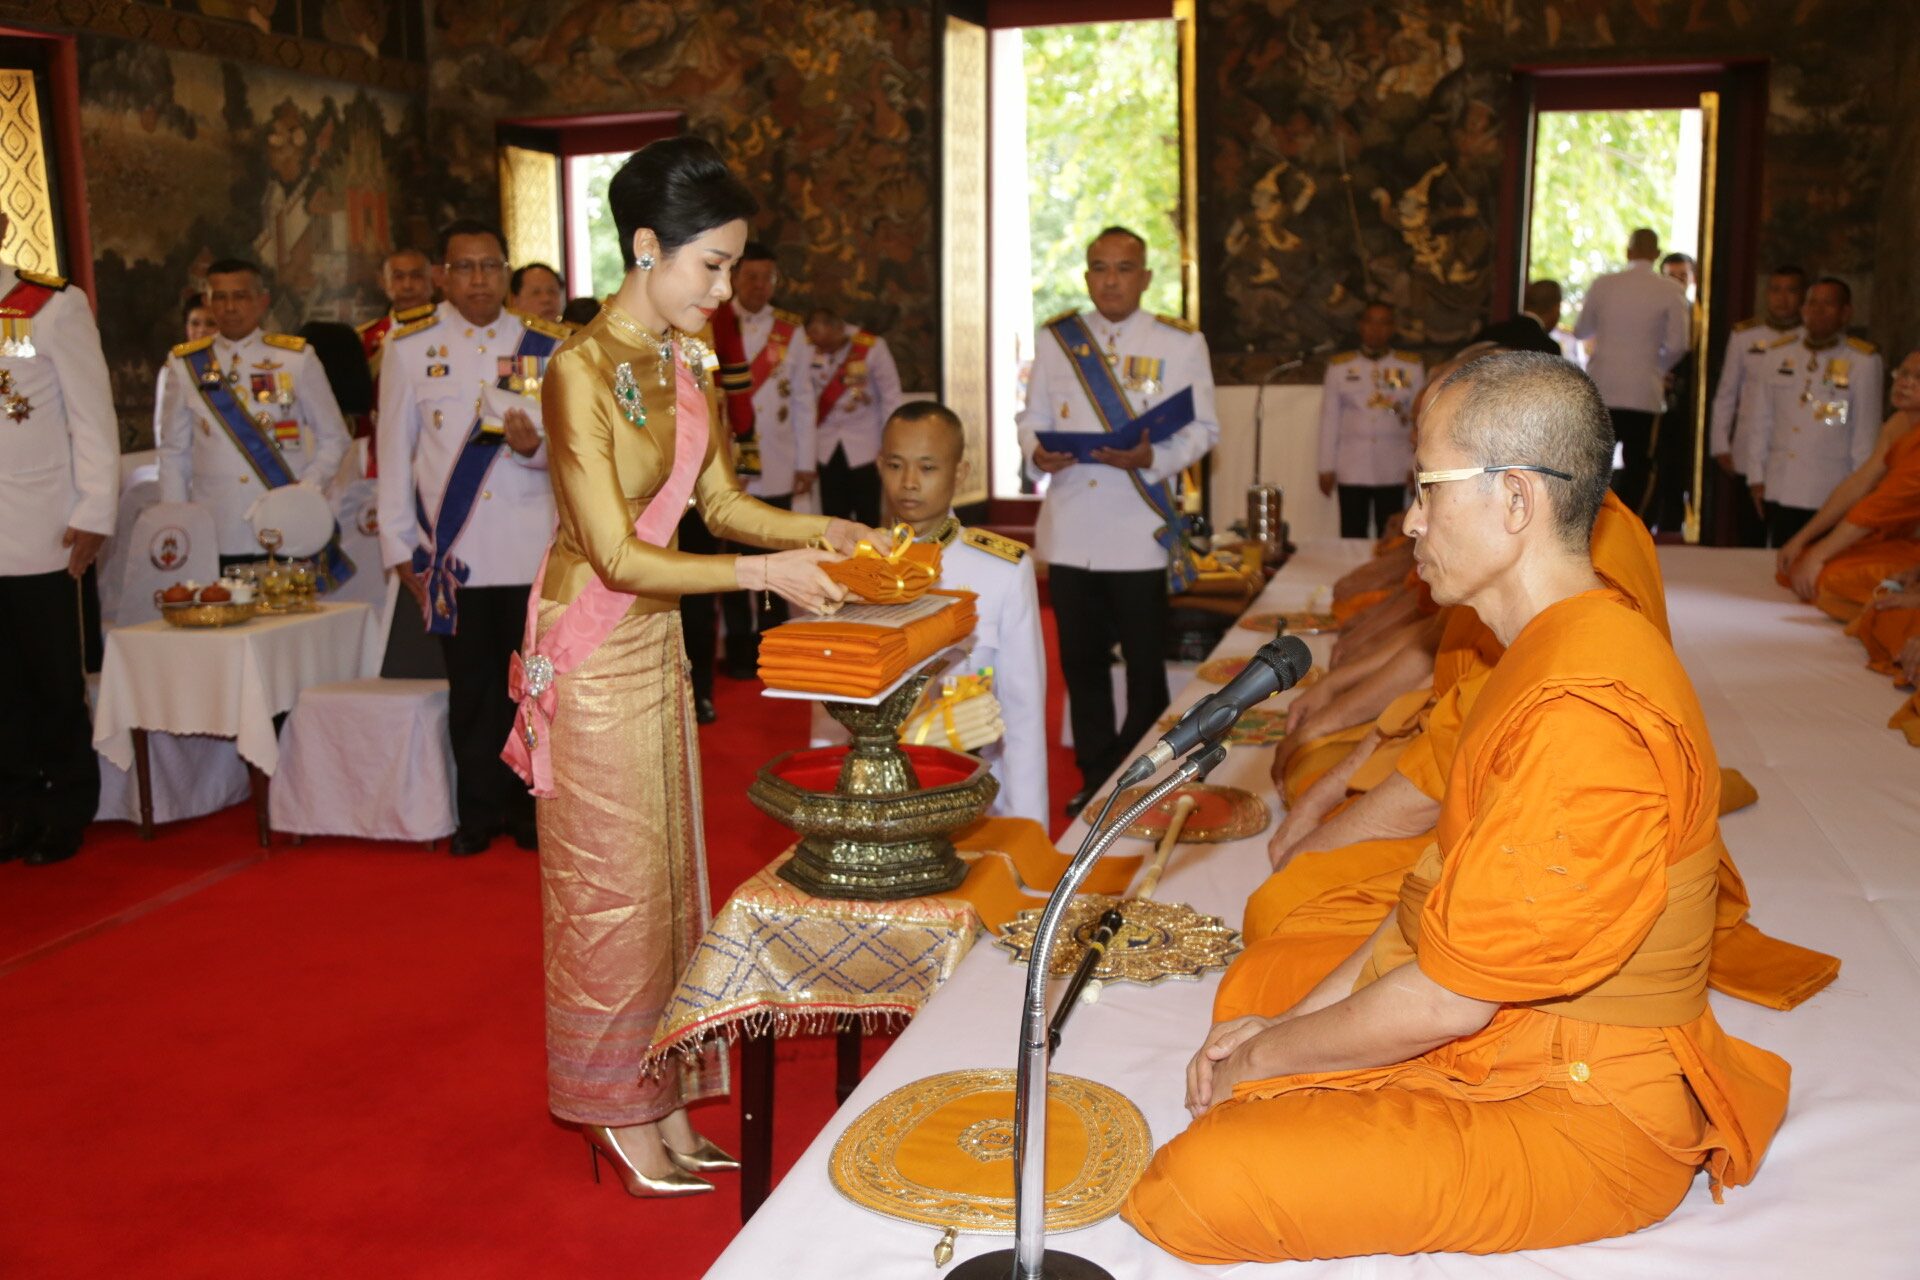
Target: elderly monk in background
point(1864, 532)
point(1522, 1056)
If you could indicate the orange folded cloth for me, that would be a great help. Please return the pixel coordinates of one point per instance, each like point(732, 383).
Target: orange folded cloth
point(906, 573)
point(859, 659)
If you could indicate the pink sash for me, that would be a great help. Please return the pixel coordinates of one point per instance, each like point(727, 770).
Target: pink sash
point(597, 610)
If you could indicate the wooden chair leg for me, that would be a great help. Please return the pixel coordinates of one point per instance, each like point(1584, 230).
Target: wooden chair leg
point(846, 1076)
point(143, 782)
point(259, 783)
point(756, 1121)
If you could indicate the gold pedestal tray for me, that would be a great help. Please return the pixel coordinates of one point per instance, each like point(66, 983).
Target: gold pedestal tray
point(1219, 815)
point(195, 614)
point(940, 1152)
point(1156, 941)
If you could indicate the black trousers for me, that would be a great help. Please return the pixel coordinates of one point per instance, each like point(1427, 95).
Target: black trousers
point(699, 620)
point(852, 493)
point(1784, 522)
point(1634, 430)
point(738, 608)
point(493, 622)
point(1359, 502)
point(1736, 521)
point(49, 775)
point(1093, 609)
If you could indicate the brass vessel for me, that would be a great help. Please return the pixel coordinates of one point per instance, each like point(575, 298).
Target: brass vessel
point(879, 833)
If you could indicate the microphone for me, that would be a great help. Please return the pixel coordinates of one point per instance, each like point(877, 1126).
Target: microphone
point(1276, 667)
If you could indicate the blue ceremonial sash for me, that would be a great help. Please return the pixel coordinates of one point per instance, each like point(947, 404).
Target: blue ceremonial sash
point(1116, 415)
point(331, 566)
point(442, 572)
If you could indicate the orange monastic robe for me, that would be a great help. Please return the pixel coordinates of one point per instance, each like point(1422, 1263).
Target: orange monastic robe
point(1572, 882)
point(1891, 510)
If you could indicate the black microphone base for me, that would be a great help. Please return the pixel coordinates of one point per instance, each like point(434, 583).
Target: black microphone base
point(1055, 1265)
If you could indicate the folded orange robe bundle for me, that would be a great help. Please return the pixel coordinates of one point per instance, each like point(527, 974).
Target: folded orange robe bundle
point(905, 573)
point(858, 659)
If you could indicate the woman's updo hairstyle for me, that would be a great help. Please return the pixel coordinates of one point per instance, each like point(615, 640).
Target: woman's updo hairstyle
point(678, 187)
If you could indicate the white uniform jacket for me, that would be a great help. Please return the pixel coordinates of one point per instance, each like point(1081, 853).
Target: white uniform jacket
point(1740, 369)
point(783, 405)
point(1814, 420)
point(1366, 424)
point(1092, 516)
point(1641, 325)
point(59, 438)
point(860, 412)
point(437, 376)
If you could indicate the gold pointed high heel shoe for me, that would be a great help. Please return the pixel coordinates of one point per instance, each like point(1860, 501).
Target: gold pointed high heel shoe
point(705, 1158)
point(601, 1142)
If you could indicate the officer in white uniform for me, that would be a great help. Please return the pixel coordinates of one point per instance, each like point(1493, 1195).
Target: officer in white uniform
point(1366, 425)
point(1641, 326)
point(59, 488)
point(277, 379)
point(437, 376)
point(1107, 572)
point(856, 389)
point(783, 405)
point(1816, 415)
point(922, 461)
point(1741, 369)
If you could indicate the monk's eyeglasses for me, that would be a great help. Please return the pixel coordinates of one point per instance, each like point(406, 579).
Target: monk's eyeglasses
point(1424, 480)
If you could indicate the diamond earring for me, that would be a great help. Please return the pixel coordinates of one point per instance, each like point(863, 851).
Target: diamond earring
point(646, 262)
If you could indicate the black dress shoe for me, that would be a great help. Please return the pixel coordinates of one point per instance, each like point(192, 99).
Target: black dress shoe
point(53, 847)
point(1078, 800)
point(19, 836)
point(741, 669)
point(704, 712)
point(467, 841)
point(526, 835)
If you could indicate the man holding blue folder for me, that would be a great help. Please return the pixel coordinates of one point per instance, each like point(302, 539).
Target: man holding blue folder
point(1119, 403)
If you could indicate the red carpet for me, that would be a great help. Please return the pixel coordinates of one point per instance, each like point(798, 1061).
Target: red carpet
point(329, 1061)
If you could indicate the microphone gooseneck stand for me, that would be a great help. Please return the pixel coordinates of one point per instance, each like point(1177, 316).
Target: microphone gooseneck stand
point(1029, 1259)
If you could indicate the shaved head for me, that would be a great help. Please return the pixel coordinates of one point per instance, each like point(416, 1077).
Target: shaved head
point(1528, 407)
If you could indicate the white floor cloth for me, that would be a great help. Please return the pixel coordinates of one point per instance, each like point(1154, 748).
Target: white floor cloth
point(1831, 853)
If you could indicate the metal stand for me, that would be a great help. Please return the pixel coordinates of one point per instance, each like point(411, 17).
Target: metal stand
point(1029, 1259)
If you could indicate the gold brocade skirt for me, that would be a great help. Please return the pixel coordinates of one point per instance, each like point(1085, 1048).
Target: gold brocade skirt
point(623, 875)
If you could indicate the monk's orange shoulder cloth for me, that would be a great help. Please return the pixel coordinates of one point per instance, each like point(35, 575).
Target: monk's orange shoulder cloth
point(1891, 509)
point(1573, 882)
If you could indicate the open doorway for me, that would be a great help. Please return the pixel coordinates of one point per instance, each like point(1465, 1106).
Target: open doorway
point(1085, 133)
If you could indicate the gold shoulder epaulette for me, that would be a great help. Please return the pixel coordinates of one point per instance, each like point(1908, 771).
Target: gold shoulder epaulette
point(1341, 357)
point(541, 325)
point(995, 545)
point(1785, 339)
point(40, 278)
point(1064, 315)
point(1411, 357)
point(1863, 346)
point(188, 348)
point(1751, 322)
point(1181, 323)
point(789, 317)
point(365, 325)
point(413, 313)
point(400, 331)
point(285, 341)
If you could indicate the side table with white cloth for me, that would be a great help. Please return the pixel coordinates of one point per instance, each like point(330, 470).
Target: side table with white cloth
point(227, 682)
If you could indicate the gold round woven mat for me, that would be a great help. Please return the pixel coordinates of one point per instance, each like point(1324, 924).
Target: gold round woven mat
point(1221, 670)
point(1256, 728)
point(1156, 941)
point(953, 1132)
point(1298, 623)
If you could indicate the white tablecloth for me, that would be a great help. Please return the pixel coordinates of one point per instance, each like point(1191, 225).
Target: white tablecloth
point(229, 682)
point(367, 758)
point(1831, 853)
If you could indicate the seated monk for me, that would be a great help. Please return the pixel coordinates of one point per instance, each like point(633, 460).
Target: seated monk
point(1864, 532)
point(1889, 627)
point(1523, 1055)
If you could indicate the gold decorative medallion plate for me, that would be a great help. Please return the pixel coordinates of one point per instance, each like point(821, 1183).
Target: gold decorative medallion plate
point(1298, 623)
point(1156, 941)
point(1256, 728)
point(940, 1151)
point(1220, 814)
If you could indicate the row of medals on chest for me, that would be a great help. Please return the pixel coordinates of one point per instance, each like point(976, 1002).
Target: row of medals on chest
point(16, 343)
point(1839, 377)
point(270, 385)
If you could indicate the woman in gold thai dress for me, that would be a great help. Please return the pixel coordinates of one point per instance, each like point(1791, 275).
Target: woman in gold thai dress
point(606, 722)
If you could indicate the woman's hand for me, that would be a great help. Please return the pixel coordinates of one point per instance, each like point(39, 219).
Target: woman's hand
point(794, 576)
point(845, 537)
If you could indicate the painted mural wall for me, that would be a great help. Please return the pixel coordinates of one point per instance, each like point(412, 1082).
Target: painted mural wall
point(1353, 150)
point(825, 109)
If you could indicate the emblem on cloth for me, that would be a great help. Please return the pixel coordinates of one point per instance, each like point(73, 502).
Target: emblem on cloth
point(988, 1140)
point(368, 521)
point(170, 547)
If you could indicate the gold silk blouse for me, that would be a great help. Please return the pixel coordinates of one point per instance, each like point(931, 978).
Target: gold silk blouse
point(605, 470)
